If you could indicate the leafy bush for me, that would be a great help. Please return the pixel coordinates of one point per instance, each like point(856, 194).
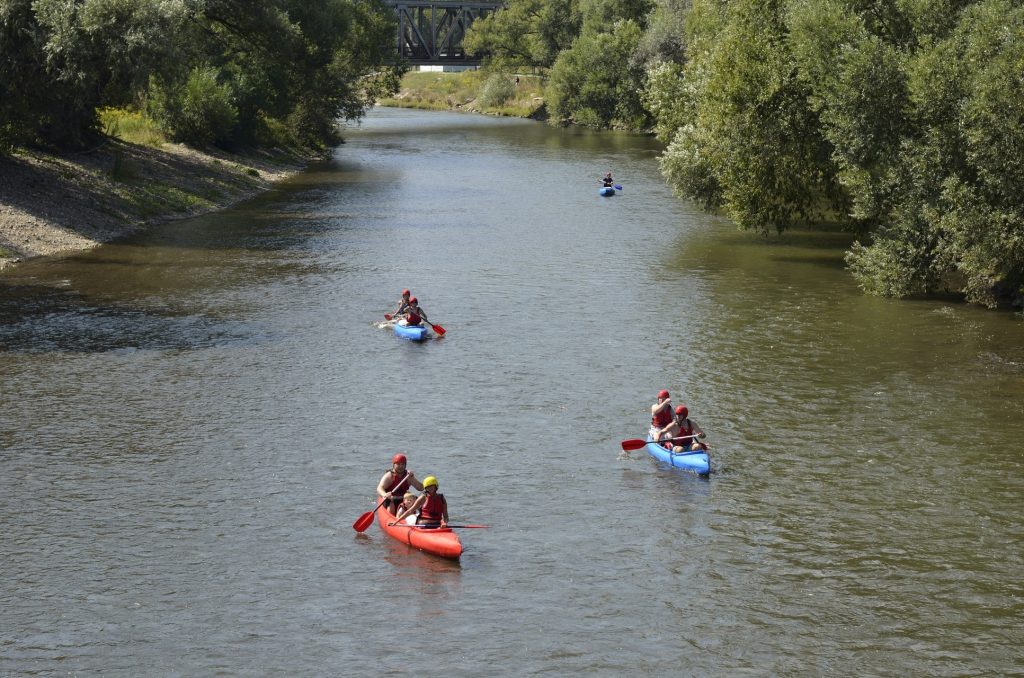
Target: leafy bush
point(499, 88)
point(199, 111)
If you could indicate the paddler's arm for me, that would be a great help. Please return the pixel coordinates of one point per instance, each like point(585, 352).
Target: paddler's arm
point(385, 479)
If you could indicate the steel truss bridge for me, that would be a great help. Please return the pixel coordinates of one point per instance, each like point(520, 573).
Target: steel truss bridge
point(432, 32)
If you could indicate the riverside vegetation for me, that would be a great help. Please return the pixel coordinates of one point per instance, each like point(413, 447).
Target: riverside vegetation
point(898, 120)
point(114, 112)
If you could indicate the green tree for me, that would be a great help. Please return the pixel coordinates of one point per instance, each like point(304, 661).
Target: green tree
point(751, 145)
point(595, 83)
point(664, 40)
point(525, 33)
point(958, 217)
point(302, 63)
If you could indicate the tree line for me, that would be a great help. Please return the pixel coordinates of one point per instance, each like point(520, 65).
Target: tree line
point(225, 72)
point(899, 120)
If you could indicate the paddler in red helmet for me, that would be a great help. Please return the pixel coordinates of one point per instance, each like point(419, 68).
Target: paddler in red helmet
point(403, 305)
point(394, 483)
point(662, 420)
point(414, 315)
point(684, 426)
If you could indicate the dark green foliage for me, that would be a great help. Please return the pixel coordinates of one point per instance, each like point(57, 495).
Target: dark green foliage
point(525, 33)
point(901, 118)
point(664, 41)
point(594, 83)
point(222, 70)
point(749, 143)
point(590, 47)
point(197, 112)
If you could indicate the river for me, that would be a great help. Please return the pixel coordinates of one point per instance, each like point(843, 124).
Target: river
point(193, 418)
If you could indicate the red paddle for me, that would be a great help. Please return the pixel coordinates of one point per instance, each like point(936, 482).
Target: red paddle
point(437, 328)
point(636, 443)
point(363, 521)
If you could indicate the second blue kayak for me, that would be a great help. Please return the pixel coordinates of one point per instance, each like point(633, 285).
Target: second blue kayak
point(411, 332)
point(698, 462)
point(606, 191)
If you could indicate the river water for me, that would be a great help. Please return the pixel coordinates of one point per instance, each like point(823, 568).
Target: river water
point(192, 420)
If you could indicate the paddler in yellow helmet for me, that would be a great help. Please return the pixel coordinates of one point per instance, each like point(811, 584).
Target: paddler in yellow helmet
point(432, 506)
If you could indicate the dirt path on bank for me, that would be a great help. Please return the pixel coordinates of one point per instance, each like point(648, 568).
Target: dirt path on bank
point(51, 204)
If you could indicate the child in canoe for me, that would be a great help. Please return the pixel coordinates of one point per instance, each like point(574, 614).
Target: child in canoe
point(407, 503)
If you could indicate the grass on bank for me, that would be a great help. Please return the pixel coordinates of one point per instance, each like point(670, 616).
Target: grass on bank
point(478, 91)
point(131, 126)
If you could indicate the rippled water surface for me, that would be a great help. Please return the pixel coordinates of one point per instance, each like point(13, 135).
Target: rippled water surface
point(192, 420)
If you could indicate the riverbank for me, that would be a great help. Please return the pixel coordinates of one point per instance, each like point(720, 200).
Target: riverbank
point(50, 203)
point(512, 95)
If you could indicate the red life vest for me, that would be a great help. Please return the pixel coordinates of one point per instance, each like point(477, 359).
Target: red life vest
point(662, 418)
point(433, 509)
point(686, 429)
point(398, 489)
point(413, 318)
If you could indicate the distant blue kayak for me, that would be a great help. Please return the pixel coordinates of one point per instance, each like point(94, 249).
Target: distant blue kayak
point(411, 332)
point(606, 191)
point(698, 462)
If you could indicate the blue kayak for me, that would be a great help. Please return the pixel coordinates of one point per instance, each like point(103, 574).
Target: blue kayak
point(699, 462)
point(606, 191)
point(411, 332)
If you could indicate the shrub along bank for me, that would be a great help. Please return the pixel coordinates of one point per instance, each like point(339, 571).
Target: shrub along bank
point(478, 91)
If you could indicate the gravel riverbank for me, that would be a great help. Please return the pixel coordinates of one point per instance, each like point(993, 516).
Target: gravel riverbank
point(51, 204)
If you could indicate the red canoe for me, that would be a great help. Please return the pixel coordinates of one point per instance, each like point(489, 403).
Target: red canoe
point(440, 541)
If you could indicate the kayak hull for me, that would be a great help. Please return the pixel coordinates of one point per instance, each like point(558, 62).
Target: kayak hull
point(696, 462)
point(440, 541)
point(411, 332)
point(606, 191)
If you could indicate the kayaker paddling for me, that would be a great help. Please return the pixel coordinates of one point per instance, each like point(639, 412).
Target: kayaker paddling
point(684, 426)
point(395, 482)
point(414, 315)
point(662, 420)
point(432, 506)
point(403, 304)
point(607, 180)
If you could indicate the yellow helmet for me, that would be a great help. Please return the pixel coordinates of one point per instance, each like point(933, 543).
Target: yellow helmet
point(428, 481)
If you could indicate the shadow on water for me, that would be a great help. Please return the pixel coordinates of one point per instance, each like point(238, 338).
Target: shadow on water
point(36, 319)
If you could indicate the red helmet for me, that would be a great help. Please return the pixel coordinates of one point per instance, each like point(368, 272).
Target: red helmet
point(414, 300)
point(682, 411)
point(399, 459)
point(405, 293)
point(662, 394)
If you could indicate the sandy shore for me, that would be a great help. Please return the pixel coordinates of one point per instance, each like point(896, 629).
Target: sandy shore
point(51, 204)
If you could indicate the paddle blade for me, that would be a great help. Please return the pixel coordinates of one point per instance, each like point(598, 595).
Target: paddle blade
point(440, 330)
point(634, 444)
point(618, 187)
point(363, 522)
point(387, 316)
